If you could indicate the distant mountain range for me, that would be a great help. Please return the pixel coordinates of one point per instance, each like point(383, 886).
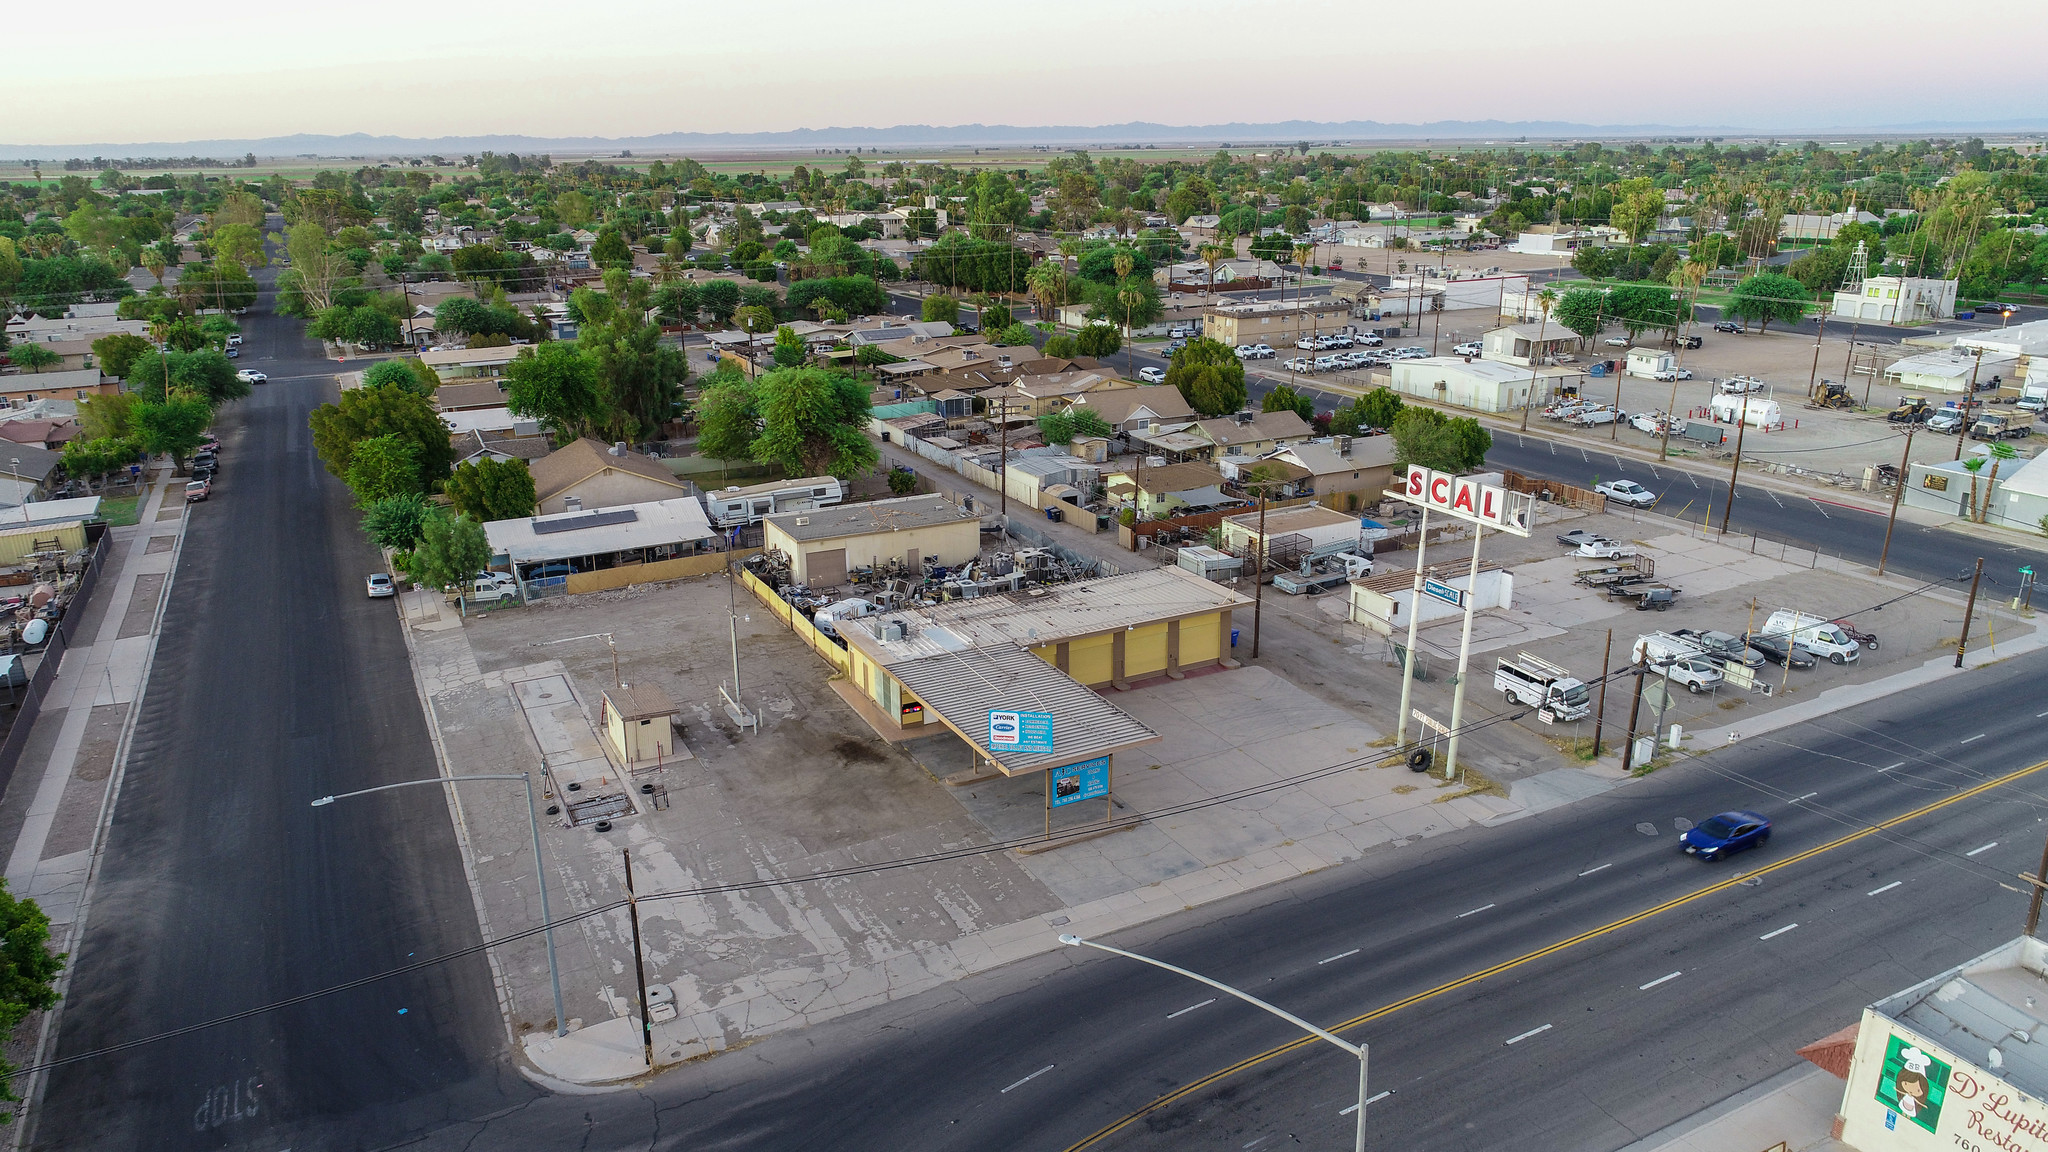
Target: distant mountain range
point(966, 135)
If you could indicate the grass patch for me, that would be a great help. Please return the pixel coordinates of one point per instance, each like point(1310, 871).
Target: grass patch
point(121, 511)
point(1732, 703)
point(1575, 747)
point(1404, 789)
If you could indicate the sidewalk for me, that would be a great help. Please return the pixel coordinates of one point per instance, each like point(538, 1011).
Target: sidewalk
point(70, 770)
point(1793, 1111)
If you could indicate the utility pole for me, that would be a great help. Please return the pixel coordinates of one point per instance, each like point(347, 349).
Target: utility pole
point(639, 967)
point(1813, 375)
point(1600, 717)
point(1898, 490)
point(1969, 610)
point(1741, 425)
point(1003, 468)
point(1628, 749)
point(1963, 429)
point(1259, 575)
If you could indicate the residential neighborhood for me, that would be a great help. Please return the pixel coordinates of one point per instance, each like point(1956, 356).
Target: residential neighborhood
point(1015, 636)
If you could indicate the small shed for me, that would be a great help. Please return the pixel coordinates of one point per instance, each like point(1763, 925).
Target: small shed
point(1647, 362)
point(639, 724)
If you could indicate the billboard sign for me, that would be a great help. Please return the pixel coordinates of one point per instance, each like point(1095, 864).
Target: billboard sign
point(1088, 780)
point(1465, 498)
point(1012, 731)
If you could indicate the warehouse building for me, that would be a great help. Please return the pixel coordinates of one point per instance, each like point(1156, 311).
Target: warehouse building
point(823, 544)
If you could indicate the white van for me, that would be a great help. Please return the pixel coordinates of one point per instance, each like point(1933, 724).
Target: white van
point(1820, 636)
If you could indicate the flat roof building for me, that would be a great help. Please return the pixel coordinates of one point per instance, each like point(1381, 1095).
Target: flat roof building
point(823, 544)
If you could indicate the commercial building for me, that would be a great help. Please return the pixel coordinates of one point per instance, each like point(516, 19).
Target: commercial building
point(1277, 323)
point(1897, 300)
point(1528, 344)
point(1951, 1062)
point(1554, 239)
point(823, 544)
point(1950, 370)
point(1480, 385)
point(1039, 651)
point(1303, 528)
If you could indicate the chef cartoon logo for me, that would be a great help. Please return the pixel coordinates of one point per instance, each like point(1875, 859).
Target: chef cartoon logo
point(1912, 1083)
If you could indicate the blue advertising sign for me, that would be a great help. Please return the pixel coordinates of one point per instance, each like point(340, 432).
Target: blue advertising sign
point(1443, 592)
point(1088, 780)
point(1011, 731)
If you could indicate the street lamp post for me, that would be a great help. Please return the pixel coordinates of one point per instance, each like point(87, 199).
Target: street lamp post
point(539, 873)
point(1358, 1050)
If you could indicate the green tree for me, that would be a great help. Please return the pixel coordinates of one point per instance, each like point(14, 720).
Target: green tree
point(813, 423)
point(721, 298)
point(117, 352)
point(451, 550)
point(1427, 437)
point(382, 467)
point(27, 966)
point(728, 416)
point(640, 378)
point(362, 413)
point(1283, 398)
point(1056, 428)
point(1765, 297)
point(558, 384)
point(89, 458)
point(610, 250)
point(1061, 346)
point(171, 427)
point(316, 272)
point(1637, 205)
point(487, 490)
point(406, 373)
point(1209, 375)
point(239, 244)
point(1014, 336)
point(573, 209)
point(944, 308)
point(789, 348)
point(902, 481)
point(1594, 263)
point(106, 417)
point(462, 316)
point(677, 302)
point(395, 522)
point(33, 356)
point(1098, 340)
point(1583, 310)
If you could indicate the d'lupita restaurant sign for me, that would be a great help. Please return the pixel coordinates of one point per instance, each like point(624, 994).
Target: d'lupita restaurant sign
point(1465, 498)
point(1905, 1093)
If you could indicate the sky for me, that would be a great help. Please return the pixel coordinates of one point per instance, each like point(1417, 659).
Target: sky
point(235, 69)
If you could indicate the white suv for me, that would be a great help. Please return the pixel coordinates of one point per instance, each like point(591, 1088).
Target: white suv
point(1468, 348)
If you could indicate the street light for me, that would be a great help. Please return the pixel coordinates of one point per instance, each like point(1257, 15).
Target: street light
point(539, 873)
point(1358, 1050)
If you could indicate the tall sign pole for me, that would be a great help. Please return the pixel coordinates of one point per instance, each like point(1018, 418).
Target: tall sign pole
point(1414, 615)
point(1464, 653)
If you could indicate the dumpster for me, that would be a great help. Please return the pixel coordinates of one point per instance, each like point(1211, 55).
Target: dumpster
point(1054, 515)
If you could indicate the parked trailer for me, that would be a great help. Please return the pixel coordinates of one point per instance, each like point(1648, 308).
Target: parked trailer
point(1637, 570)
point(733, 507)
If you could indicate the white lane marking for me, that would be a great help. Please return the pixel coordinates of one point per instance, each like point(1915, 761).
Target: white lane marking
point(1474, 912)
point(1590, 871)
point(1368, 1100)
point(1030, 1078)
point(1817, 507)
point(1659, 476)
point(1338, 956)
point(1777, 931)
point(1902, 763)
point(1185, 1011)
point(1808, 796)
point(1529, 1033)
point(1774, 498)
point(1689, 476)
point(1985, 848)
point(1978, 736)
point(1885, 889)
point(2038, 715)
point(1657, 981)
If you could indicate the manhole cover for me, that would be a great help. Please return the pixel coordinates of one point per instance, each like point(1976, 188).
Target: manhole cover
point(1647, 828)
point(1682, 824)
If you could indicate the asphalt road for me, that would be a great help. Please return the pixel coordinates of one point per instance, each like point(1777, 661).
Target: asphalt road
point(1607, 1043)
point(276, 681)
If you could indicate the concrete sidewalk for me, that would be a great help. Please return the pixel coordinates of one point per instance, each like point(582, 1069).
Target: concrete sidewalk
point(1793, 1111)
point(64, 786)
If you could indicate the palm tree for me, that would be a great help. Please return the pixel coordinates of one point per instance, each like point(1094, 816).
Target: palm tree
point(153, 260)
point(2000, 453)
point(1546, 299)
point(1047, 281)
point(1212, 254)
point(1973, 465)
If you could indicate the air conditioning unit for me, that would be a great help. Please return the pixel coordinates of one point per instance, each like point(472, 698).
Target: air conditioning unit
point(892, 631)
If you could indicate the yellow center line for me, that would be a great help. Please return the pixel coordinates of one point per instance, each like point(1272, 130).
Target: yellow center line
point(1186, 1090)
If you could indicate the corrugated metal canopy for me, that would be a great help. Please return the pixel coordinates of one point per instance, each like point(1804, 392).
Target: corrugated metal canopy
point(963, 687)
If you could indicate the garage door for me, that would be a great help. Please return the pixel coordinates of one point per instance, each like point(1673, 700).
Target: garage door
point(825, 569)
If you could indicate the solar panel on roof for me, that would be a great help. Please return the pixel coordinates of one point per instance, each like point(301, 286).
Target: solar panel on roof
point(587, 520)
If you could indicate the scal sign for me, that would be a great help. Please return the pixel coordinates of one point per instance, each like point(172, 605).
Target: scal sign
point(1467, 499)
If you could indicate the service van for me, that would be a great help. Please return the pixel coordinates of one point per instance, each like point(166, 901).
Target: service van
point(1816, 634)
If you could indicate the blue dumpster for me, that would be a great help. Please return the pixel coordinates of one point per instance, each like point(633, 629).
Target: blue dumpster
point(1233, 637)
point(1597, 370)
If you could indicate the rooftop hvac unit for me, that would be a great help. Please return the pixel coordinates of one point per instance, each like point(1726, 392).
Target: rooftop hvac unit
point(892, 631)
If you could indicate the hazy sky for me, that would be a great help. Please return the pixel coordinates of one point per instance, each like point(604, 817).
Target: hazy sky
point(123, 71)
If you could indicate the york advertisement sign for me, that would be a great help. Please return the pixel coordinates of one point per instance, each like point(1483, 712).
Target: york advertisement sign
point(1464, 498)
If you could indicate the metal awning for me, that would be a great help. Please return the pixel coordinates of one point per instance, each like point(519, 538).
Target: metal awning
point(963, 687)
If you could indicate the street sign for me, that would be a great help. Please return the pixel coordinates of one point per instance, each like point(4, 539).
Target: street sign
point(1430, 723)
point(1011, 731)
point(1443, 592)
point(1088, 780)
point(1657, 696)
point(1465, 498)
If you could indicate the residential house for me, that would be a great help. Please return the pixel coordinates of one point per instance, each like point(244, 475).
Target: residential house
point(50, 434)
point(587, 474)
point(1285, 530)
point(26, 473)
point(884, 331)
point(463, 397)
point(1034, 396)
point(77, 384)
point(476, 445)
point(1166, 491)
point(1026, 363)
point(1345, 472)
point(460, 363)
point(1252, 433)
point(1135, 409)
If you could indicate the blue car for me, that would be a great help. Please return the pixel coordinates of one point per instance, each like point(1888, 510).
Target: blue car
point(1726, 834)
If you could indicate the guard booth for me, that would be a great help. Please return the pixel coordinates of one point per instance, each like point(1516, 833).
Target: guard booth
point(639, 724)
